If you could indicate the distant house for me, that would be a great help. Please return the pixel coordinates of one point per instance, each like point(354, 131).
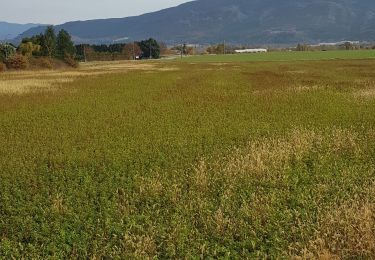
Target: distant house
point(250, 50)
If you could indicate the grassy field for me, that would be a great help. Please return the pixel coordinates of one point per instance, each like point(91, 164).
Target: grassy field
point(285, 56)
point(189, 160)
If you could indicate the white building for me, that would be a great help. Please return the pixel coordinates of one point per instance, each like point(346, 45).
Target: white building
point(250, 50)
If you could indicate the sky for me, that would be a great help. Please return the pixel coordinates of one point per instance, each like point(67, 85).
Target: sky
point(60, 11)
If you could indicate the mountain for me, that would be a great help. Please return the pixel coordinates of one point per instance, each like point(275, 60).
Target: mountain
point(12, 30)
point(237, 21)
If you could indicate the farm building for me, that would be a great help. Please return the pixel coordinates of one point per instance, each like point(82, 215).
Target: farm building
point(251, 50)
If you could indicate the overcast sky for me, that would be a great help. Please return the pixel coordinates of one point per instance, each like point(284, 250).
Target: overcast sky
point(59, 11)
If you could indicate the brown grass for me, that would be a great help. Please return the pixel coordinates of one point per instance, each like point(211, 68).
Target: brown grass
point(264, 156)
point(22, 86)
point(346, 231)
point(267, 155)
point(365, 93)
point(2, 67)
point(23, 82)
point(58, 204)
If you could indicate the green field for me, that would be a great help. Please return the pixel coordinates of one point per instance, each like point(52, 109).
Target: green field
point(285, 56)
point(190, 160)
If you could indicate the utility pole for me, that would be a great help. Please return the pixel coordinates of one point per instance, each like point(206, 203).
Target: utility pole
point(225, 51)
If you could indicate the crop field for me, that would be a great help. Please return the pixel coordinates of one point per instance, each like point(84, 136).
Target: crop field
point(189, 160)
point(286, 56)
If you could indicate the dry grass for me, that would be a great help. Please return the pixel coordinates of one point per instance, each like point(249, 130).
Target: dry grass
point(139, 246)
point(302, 88)
point(58, 204)
point(346, 231)
point(29, 85)
point(297, 72)
point(365, 93)
point(24, 82)
point(266, 156)
point(364, 88)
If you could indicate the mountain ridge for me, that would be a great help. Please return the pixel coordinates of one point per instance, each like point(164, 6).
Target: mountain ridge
point(236, 21)
point(9, 31)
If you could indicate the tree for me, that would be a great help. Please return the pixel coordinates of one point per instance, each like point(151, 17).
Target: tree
point(150, 48)
point(49, 42)
point(64, 45)
point(218, 49)
point(164, 50)
point(100, 48)
point(81, 51)
point(302, 47)
point(131, 51)
point(17, 62)
point(6, 51)
point(116, 48)
point(184, 49)
point(36, 40)
point(190, 51)
point(348, 46)
point(29, 48)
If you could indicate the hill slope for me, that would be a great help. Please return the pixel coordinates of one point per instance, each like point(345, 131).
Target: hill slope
point(238, 21)
point(12, 30)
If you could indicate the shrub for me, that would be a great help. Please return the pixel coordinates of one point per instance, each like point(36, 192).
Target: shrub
point(45, 63)
point(69, 60)
point(28, 49)
point(6, 50)
point(17, 62)
point(2, 67)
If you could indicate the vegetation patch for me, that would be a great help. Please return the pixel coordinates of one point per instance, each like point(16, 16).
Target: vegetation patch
point(118, 162)
point(366, 93)
point(37, 80)
point(285, 56)
point(2, 67)
point(17, 62)
point(347, 230)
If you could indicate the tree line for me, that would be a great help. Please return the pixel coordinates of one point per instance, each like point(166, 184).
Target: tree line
point(41, 50)
point(146, 49)
point(49, 47)
point(48, 44)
